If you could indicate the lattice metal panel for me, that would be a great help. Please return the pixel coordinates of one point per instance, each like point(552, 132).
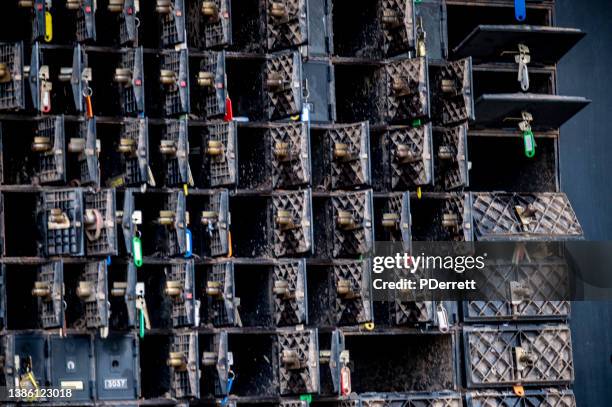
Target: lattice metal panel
point(283, 85)
point(128, 32)
point(407, 90)
point(298, 362)
point(134, 146)
point(532, 398)
point(92, 289)
point(12, 87)
point(396, 219)
point(175, 149)
point(88, 156)
point(211, 85)
point(289, 154)
point(420, 400)
point(412, 307)
point(62, 222)
point(221, 295)
point(86, 21)
point(352, 215)
point(219, 358)
point(34, 76)
point(214, 29)
point(290, 300)
point(131, 82)
point(456, 218)
point(349, 155)
point(526, 354)
point(50, 146)
point(398, 23)
point(292, 214)
point(49, 289)
point(180, 287)
point(452, 168)
point(215, 221)
point(538, 216)
point(173, 220)
point(221, 154)
point(293, 403)
point(286, 23)
point(127, 226)
point(184, 365)
point(174, 78)
point(532, 291)
point(353, 292)
point(39, 23)
point(78, 76)
point(172, 21)
point(407, 157)
point(454, 94)
point(2, 297)
point(101, 223)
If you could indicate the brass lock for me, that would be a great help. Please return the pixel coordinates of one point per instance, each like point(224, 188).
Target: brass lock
point(77, 145)
point(41, 144)
point(85, 290)
point(524, 357)
point(73, 4)
point(391, 19)
point(445, 153)
point(400, 86)
point(94, 222)
point(281, 289)
point(210, 10)
point(291, 359)
point(163, 6)
point(448, 86)
point(25, 3)
point(341, 152)
point(214, 288)
point(167, 77)
point(123, 75)
point(275, 82)
point(119, 289)
point(284, 219)
point(281, 151)
point(525, 214)
point(346, 220)
point(177, 361)
point(405, 154)
point(173, 288)
point(209, 358)
point(391, 221)
point(209, 217)
point(279, 10)
point(166, 218)
point(42, 290)
point(127, 146)
point(168, 147)
point(5, 73)
point(345, 290)
point(206, 79)
point(450, 220)
point(214, 148)
point(58, 220)
point(115, 6)
point(65, 74)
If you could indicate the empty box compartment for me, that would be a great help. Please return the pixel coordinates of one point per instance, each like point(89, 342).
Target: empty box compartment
point(23, 221)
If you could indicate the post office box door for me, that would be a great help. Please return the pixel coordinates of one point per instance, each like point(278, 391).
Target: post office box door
point(290, 299)
point(407, 89)
point(353, 232)
point(12, 87)
point(299, 362)
point(349, 155)
point(62, 222)
point(102, 232)
point(353, 292)
point(92, 289)
point(408, 156)
point(292, 217)
point(289, 154)
point(283, 88)
point(221, 160)
point(180, 288)
point(52, 161)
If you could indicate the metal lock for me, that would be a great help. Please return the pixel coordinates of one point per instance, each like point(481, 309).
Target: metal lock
point(209, 218)
point(282, 151)
point(519, 292)
point(525, 214)
point(524, 357)
point(346, 220)
point(167, 77)
point(73, 4)
point(42, 290)
point(342, 152)
point(209, 358)
point(210, 10)
point(214, 148)
point(284, 219)
point(65, 74)
point(276, 83)
point(115, 6)
point(127, 146)
point(344, 289)
point(94, 223)
point(168, 147)
point(173, 288)
point(164, 6)
point(445, 153)
point(119, 288)
point(281, 289)
point(214, 289)
point(401, 87)
point(123, 75)
point(406, 155)
point(391, 19)
point(85, 291)
point(41, 144)
point(449, 87)
point(177, 361)
point(290, 358)
point(5, 73)
point(25, 3)
point(391, 221)
point(77, 145)
point(166, 218)
point(450, 220)
point(206, 79)
point(58, 220)
point(279, 11)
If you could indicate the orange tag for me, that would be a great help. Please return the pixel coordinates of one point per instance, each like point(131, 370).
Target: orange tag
point(88, 106)
point(519, 390)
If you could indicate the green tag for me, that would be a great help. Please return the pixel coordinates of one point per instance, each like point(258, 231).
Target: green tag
point(529, 143)
point(306, 397)
point(137, 251)
point(141, 325)
point(416, 122)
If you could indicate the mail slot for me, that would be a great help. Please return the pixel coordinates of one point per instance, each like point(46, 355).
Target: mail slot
point(75, 356)
point(535, 397)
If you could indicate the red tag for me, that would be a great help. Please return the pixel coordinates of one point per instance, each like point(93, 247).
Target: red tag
point(39, 7)
point(183, 84)
point(130, 11)
point(179, 13)
point(88, 9)
point(229, 113)
point(137, 82)
point(189, 296)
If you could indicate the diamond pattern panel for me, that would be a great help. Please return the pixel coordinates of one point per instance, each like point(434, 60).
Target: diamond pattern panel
point(350, 155)
point(408, 156)
point(299, 362)
point(353, 220)
point(286, 23)
point(283, 82)
point(353, 293)
point(293, 220)
point(289, 155)
point(407, 90)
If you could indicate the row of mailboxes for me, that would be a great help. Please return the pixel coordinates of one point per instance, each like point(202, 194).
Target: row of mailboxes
point(91, 368)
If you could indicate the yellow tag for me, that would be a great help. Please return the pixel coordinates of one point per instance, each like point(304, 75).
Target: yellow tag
point(185, 189)
point(48, 27)
point(419, 194)
point(369, 326)
point(519, 390)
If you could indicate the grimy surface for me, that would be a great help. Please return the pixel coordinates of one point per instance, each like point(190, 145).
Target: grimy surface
point(585, 177)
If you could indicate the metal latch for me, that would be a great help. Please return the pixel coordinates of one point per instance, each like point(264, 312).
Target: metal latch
point(391, 221)
point(522, 59)
point(524, 358)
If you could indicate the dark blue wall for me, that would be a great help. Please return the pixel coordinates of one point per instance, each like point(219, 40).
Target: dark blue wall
point(586, 176)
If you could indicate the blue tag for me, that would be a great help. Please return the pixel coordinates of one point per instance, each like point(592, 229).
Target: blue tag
point(108, 261)
point(188, 244)
point(520, 10)
point(230, 382)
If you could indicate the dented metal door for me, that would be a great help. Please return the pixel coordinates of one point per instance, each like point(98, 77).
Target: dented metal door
point(62, 222)
point(92, 289)
point(398, 26)
point(172, 22)
point(454, 92)
point(129, 76)
point(211, 85)
point(288, 152)
point(286, 23)
point(180, 288)
point(174, 80)
point(134, 147)
point(173, 221)
point(349, 155)
point(289, 290)
point(407, 89)
point(537, 216)
point(222, 301)
point(408, 156)
point(507, 355)
point(216, 30)
point(49, 291)
point(353, 219)
point(221, 154)
point(86, 21)
point(353, 292)
point(452, 164)
point(184, 362)
point(12, 86)
point(396, 220)
point(215, 221)
point(174, 147)
point(49, 145)
point(128, 30)
point(298, 353)
point(292, 217)
point(100, 223)
point(283, 85)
